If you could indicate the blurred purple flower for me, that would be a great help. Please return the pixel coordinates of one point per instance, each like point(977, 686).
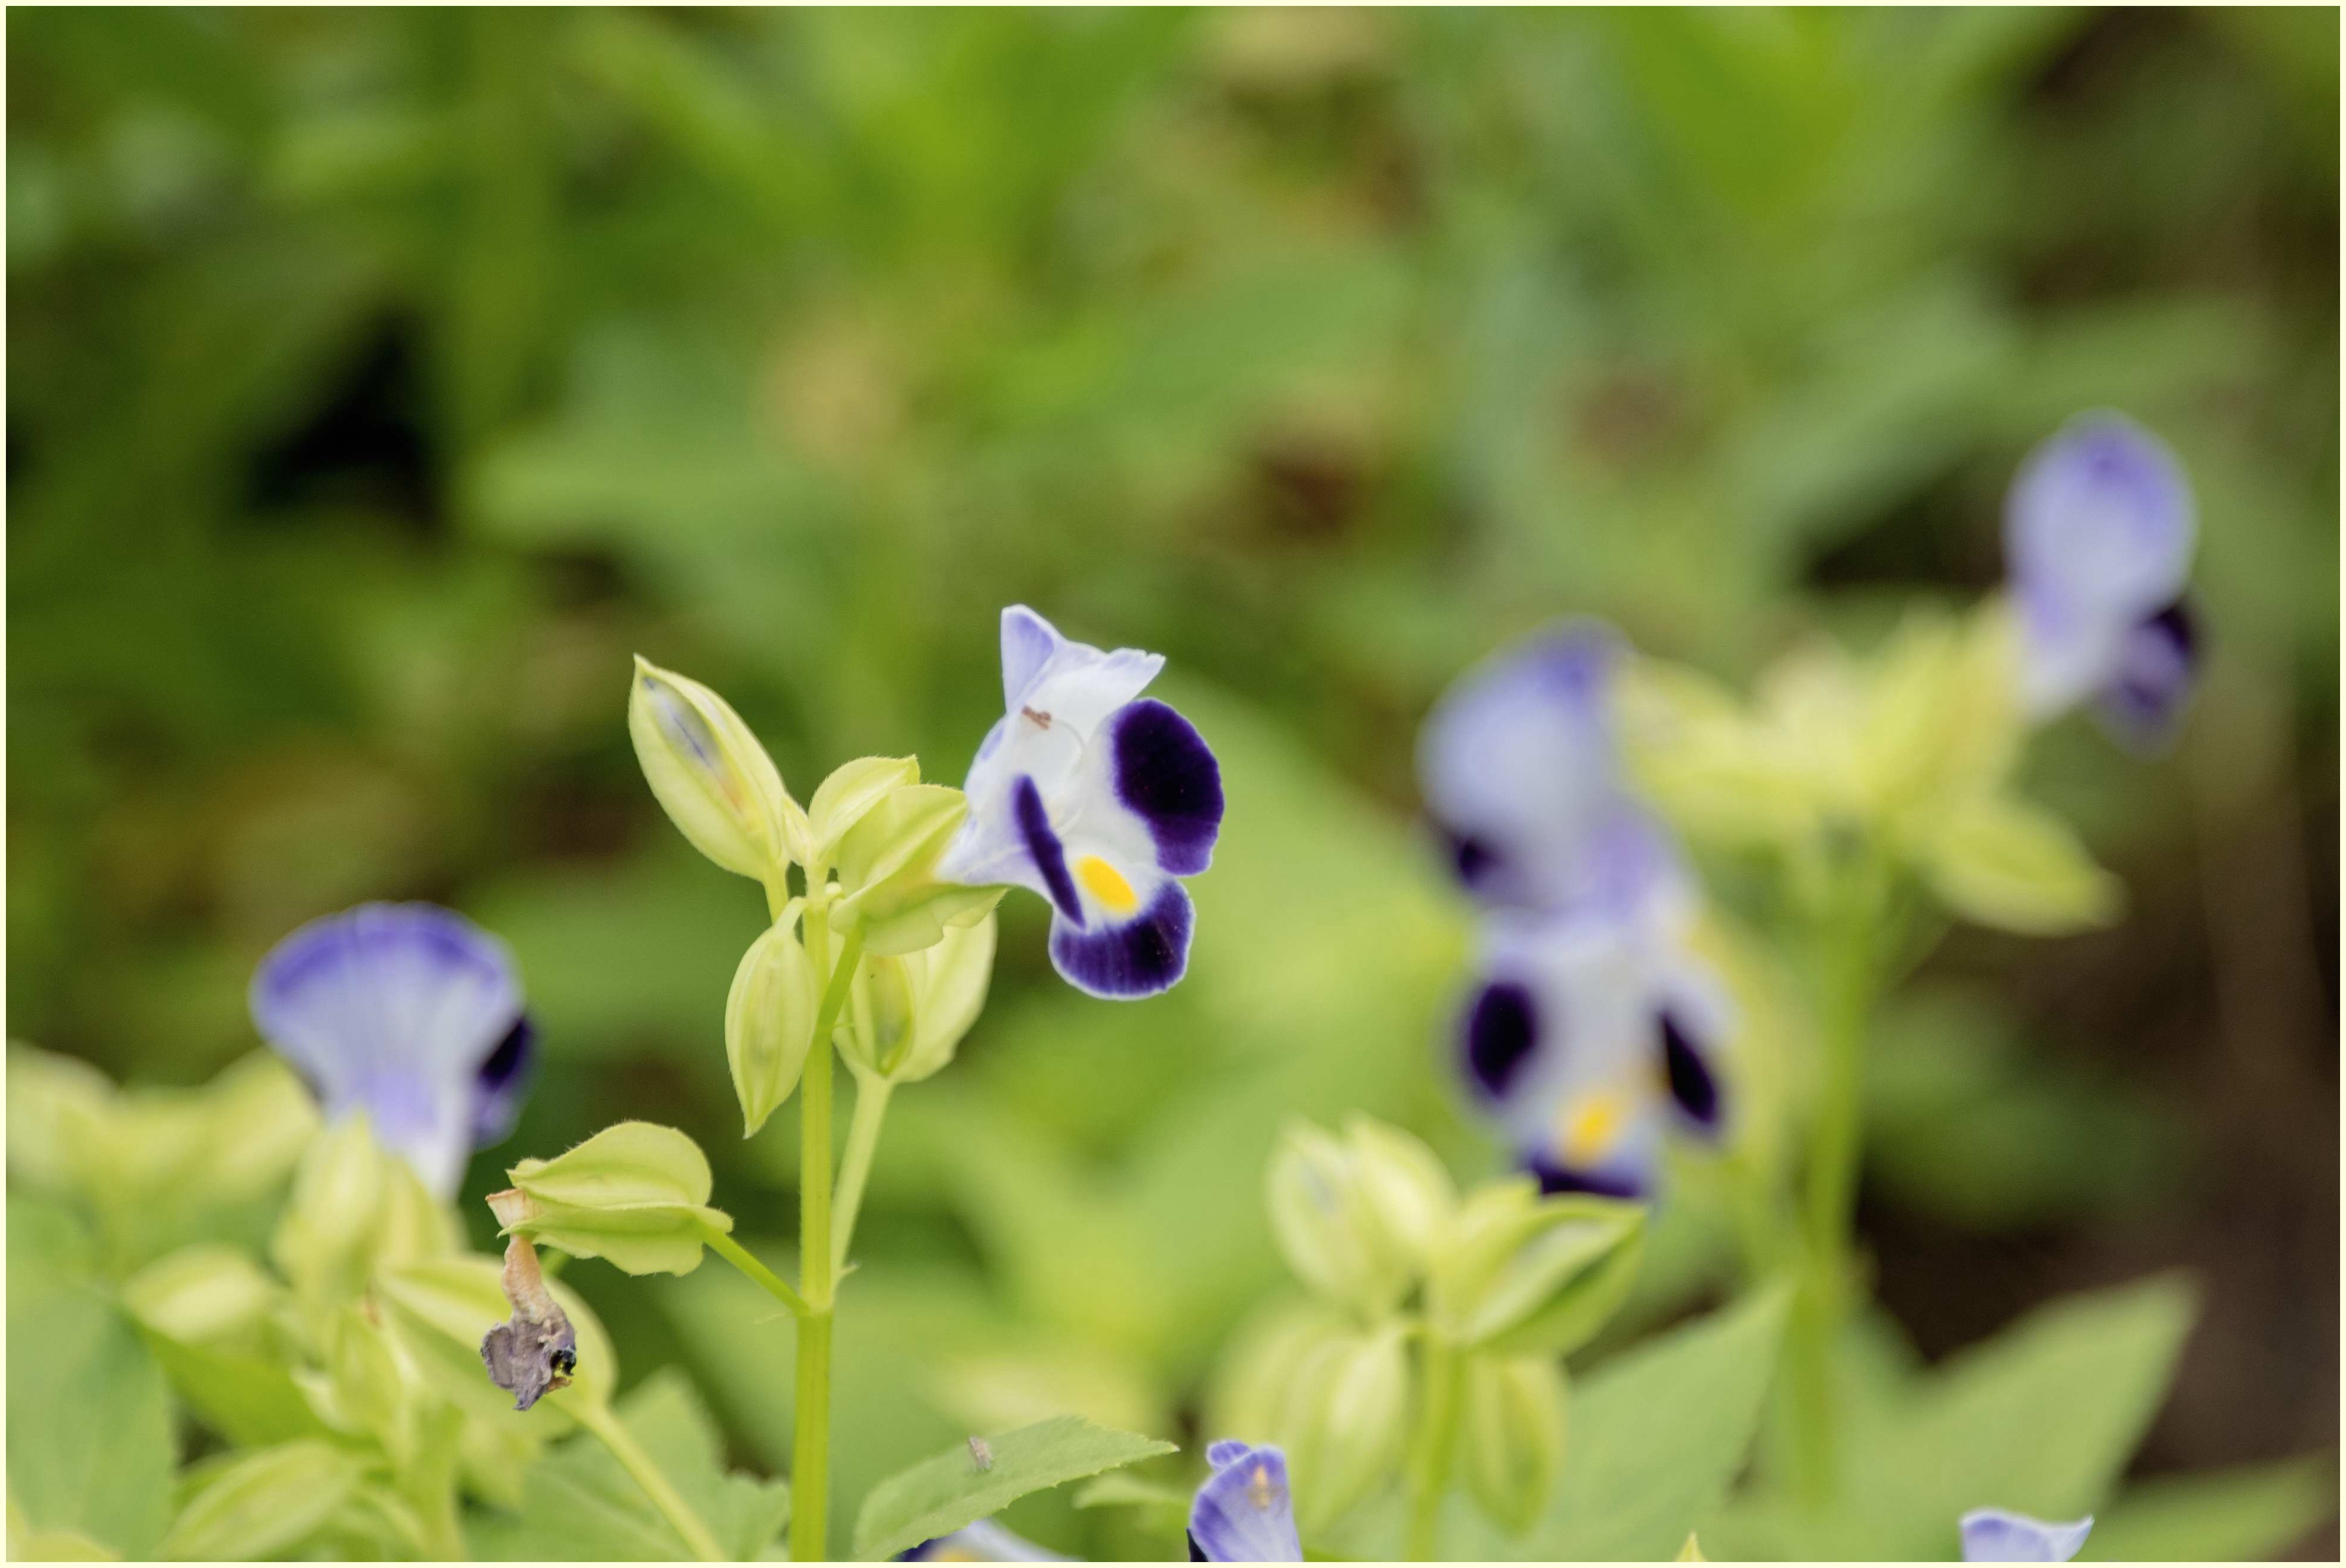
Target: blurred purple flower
point(1998, 1535)
point(1098, 800)
point(2098, 531)
point(410, 1012)
point(1243, 1512)
point(984, 1541)
point(1591, 1030)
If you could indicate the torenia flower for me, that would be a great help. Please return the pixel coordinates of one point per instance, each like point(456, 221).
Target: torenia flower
point(982, 1542)
point(1997, 1536)
point(2098, 532)
point(410, 1013)
point(1592, 1028)
point(1243, 1512)
point(1098, 800)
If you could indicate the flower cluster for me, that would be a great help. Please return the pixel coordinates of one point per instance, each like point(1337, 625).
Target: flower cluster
point(1593, 1027)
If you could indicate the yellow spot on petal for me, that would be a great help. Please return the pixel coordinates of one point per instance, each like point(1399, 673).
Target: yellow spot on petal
point(1107, 885)
point(1587, 1130)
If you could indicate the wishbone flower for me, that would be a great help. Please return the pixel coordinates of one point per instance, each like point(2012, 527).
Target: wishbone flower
point(1999, 1535)
point(410, 1012)
point(1243, 1512)
point(1098, 800)
point(2098, 528)
point(1592, 1028)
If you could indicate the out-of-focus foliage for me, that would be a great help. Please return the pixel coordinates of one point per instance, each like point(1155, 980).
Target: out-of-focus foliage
point(383, 381)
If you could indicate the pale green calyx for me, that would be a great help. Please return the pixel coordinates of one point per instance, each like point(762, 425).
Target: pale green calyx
point(1357, 1218)
point(769, 1018)
point(635, 1193)
point(887, 871)
point(1511, 1434)
point(1344, 1421)
point(1519, 1273)
point(907, 1014)
point(712, 777)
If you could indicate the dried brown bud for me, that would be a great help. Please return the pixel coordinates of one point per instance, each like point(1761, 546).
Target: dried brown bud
point(535, 1353)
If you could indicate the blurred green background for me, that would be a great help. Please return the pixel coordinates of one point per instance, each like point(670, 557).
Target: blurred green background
point(382, 380)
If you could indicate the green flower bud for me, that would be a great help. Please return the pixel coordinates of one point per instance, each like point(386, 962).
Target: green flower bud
point(1521, 1273)
point(887, 866)
point(769, 1018)
point(362, 1391)
point(326, 1240)
point(1511, 1434)
point(1247, 1392)
point(57, 1110)
point(1357, 1218)
point(206, 1294)
point(908, 1014)
point(1345, 1420)
point(711, 775)
point(262, 1503)
point(634, 1194)
point(849, 794)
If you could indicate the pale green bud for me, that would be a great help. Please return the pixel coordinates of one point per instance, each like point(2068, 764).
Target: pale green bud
point(887, 865)
point(326, 1238)
point(58, 1108)
point(2005, 863)
point(1511, 1434)
point(908, 1014)
point(1406, 1190)
point(711, 775)
point(259, 1118)
point(849, 793)
point(1521, 1274)
point(1357, 1218)
point(1345, 1420)
point(769, 1018)
point(1247, 1392)
point(361, 1393)
point(262, 1503)
point(635, 1193)
point(206, 1294)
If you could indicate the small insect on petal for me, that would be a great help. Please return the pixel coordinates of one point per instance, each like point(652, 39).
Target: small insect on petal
point(981, 1455)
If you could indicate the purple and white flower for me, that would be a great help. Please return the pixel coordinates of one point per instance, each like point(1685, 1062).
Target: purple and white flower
point(410, 1012)
point(1095, 798)
point(1244, 1512)
point(1998, 1535)
point(2098, 531)
point(1592, 1030)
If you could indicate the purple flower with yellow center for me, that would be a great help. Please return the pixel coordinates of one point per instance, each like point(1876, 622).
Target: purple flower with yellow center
point(1999, 1535)
point(410, 1012)
point(1244, 1512)
point(2099, 529)
point(1098, 800)
point(1591, 1030)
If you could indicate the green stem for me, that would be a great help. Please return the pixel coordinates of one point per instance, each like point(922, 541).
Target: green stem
point(615, 1436)
point(817, 1273)
point(1430, 1449)
point(1848, 977)
point(740, 1258)
point(863, 1142)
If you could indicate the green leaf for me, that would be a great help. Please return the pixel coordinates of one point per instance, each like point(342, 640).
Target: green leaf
point(262, 1503)
point(939, 1495)
point(578, 1503)
point(2251, 1513)
point(2007, 864)
point(92, 1449)
point(250, 1402)
point(1657, 1433)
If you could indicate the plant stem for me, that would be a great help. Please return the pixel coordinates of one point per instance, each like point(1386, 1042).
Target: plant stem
point(872, 1093)
point(1429, 1468)
point(740, 1258)
point(818, 1271)
point(614, 1435)
point(1848, 978)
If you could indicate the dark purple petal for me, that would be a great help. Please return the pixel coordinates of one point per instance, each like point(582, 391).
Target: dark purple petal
point(1139, 958)
point(1502, 1032)
point(1476, 861)
point(1556, 1178)
point(2157, 666)
point(1693, 1086)
point(1168, 777)
point(1043, 844)
point(503, 1084)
